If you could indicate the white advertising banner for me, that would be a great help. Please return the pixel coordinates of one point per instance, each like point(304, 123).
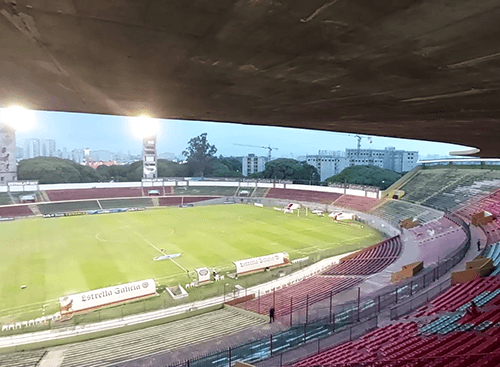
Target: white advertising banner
point(105, 296)
point(203, 275)
point(262, 262)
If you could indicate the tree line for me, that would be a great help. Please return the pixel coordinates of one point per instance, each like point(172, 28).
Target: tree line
point(201, 161)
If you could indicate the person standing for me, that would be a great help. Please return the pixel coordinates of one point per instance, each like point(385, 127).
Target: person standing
point(479, 245)
point(271, 314)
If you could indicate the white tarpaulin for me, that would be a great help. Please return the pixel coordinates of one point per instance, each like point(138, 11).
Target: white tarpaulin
point(262, 262)
point(106, 296)
point(203, 275)
point(341, 216)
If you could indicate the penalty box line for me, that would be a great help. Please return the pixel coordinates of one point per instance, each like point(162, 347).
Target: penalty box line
point(157, 249)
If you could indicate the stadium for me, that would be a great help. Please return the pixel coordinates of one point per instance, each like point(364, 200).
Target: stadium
point(184, 272)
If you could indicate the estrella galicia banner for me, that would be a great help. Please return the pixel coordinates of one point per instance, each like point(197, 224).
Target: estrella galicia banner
point(106, 296)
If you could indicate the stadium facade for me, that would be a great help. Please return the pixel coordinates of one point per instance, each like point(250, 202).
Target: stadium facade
point(8, 165)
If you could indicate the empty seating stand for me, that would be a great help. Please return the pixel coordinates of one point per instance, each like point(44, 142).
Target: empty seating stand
point(82, 194)
point(370, 260)
point(359, 203)
point(489, 204)
point(303, 195)
point(394, 210)
point(15, 211)
point(171, 336)
point(312, 290)
point(22, 359)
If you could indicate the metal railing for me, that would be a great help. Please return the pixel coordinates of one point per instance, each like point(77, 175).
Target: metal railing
point(329, 325)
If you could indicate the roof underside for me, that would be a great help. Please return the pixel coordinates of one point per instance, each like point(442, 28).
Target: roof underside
point(420, 69)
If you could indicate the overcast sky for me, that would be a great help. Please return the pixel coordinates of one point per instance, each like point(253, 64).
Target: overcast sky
point(102, 132)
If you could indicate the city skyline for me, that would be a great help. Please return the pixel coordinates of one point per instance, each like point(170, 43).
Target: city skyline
point(113, 133)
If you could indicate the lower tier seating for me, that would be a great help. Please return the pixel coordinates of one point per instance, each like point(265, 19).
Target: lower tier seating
point(393, 211)
point(312, 290)
point(303, 195)
point(22, 359)
point(370, 260)
point(168, 337)
point(126, 203)
point(15, 211)
point(82, 194)
point(457, 336)
point(69, 206)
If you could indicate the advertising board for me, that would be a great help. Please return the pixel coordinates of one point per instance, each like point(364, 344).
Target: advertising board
point(106, 296)
point(262, 262)
point(203, 275)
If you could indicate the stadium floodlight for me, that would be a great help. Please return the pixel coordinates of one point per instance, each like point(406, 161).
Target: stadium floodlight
point(18, 117)
point(143, 126)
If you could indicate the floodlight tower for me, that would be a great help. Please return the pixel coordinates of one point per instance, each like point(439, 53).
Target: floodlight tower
point(149, 167)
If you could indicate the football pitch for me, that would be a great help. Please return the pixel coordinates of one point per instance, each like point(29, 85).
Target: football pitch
point(58, 256)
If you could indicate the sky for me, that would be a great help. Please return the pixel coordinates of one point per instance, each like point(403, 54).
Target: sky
point(114, 133)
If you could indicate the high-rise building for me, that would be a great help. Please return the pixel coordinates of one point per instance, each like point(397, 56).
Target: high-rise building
point(8, 164)
point(388, 158)
point(78, 155)
point(31, 148)
point(101, 155)
point(65, 154)
point(47, 147)
point(253, 164)
point(328, 163)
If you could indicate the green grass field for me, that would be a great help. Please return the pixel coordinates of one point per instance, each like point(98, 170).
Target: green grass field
point(58, 256)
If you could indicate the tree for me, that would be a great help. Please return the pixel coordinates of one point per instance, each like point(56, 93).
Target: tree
point(289, 169)
point(49, 170)
point(366, 175)
point(199, 153)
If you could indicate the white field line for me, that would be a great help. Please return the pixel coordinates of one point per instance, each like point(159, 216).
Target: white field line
point(149, 243)
point(157, 249)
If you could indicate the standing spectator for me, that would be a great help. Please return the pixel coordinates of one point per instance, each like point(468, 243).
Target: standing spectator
point(271, 314)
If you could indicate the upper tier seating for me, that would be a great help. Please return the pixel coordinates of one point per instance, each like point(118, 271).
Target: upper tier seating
point(449, 188)
point(317, 288)
point(205, 190)
point(112, 350)
point(394, 210)
point(359, 203)
point(370, 260)
point(82, 194)
point(260, 192)
point(15, 211)
point(303, 195)
point(162, 190)
point(459, 339)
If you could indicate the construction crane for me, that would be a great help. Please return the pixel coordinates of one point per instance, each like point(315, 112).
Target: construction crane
point(359, 137)
point(258, 146)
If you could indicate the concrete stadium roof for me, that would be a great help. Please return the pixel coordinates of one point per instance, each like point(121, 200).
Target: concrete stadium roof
point(420, 69)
